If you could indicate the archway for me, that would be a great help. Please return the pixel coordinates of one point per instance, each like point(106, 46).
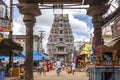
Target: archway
point(30, 9)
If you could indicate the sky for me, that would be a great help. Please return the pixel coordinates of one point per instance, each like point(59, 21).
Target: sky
point(81, 24)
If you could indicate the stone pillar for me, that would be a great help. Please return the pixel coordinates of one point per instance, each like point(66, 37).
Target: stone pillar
point(29, 22)
point(29, 11)
point(97, 30)
point(96, 11)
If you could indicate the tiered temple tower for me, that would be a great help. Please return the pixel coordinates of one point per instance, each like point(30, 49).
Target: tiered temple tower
point(61, 40)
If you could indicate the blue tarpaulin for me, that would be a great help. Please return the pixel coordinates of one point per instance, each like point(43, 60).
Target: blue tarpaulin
point(38, 55)
point(14, 58)
point(4, 57)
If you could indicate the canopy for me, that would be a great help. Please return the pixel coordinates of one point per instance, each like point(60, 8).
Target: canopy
point(38, 55)
point(15, 58)
point(4, 57)
point(7, 45)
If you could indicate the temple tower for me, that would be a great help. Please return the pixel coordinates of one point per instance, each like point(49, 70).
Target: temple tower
point(61, 40)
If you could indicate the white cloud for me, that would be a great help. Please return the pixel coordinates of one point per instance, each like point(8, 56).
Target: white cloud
point(44, 23)
point(77, 25)
point(18, 29)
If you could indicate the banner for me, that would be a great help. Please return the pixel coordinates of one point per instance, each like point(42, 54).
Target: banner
point(4, 23)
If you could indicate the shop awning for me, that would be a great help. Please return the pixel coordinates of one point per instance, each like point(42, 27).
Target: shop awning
point(18, 53)
point(7, 45)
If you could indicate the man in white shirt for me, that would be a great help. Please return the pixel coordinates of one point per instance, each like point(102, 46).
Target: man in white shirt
point(73, 67)
point(58, 66)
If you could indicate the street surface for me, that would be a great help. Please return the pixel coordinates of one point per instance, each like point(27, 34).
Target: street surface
point(53, 76)
point(63, 76)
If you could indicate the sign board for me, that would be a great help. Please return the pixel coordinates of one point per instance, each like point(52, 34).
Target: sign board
point(2, 11)
point(4, 25)
point(116, 29)
point(5, 29)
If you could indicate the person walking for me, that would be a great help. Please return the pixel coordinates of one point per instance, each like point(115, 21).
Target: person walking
point(47, 66)
point(73, 65)
point(63, 66)
point(42, 67)
point(69, 67)
point(58, 67)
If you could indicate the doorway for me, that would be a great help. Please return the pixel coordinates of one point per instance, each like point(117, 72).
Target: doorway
point(107, 76)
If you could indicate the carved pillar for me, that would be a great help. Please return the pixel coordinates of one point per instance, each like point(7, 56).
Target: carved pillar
point(97, 30)
point(29, 11)
point(29, 22)
point(96, 11)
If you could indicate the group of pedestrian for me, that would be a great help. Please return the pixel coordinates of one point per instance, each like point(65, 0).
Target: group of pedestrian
point(71, 66)
point(61, 66)
point(46, 66)
point(41, 68)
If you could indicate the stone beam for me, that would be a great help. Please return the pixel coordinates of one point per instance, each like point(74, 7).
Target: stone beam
point(97, 10)
point(66, 1)
point(53, 1)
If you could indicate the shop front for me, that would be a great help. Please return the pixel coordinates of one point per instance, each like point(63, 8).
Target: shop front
point(107, 64)
point(107, 61)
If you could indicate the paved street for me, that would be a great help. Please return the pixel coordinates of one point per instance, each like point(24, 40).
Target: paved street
point(63, 76)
